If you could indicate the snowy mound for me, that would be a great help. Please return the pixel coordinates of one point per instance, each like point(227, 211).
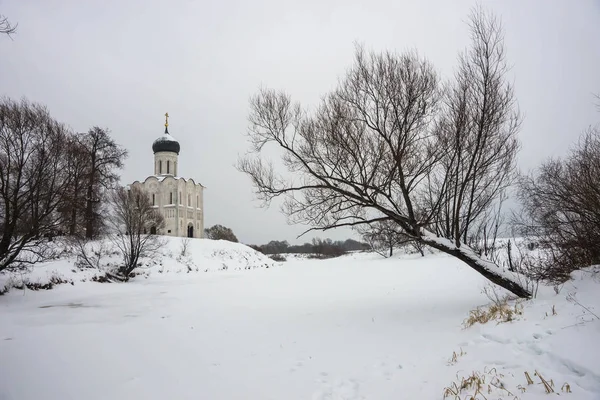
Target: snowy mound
point(177, 255)
point(209, 255)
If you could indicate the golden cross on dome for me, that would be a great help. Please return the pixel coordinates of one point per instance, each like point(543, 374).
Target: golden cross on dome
point(166, 119)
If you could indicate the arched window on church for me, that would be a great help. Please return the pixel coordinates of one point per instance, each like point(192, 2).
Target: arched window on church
point(168, 167)
point(153, 199)
point(189, 200)
point(197, 202)
point(160, 166)
point(170, 197)
point(180, 199)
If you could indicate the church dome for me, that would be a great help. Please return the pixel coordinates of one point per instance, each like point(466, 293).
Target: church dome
point(166, 143)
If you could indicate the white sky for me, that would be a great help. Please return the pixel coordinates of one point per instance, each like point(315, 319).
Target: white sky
point(123, 64)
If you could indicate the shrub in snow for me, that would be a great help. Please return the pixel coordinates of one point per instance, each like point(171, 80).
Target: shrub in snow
point(25, 283)
point(89, 253)
point(220, 232)
point(134, 215)
point(277, 257)
point(561, 209)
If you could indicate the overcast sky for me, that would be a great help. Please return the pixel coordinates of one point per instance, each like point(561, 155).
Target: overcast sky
point(123, 64)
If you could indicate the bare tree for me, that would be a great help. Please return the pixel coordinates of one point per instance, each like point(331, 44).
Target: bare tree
point(77, 163)
point(131, 218)
point(32, 180)
point(327, 248)
point(220, 232)
point(385, 236)
point(390, 143)
point(561, 209)
point(103, 157)
point(6, 27)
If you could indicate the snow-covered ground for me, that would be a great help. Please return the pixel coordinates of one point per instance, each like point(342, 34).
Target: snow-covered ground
point(176, 255)
point(354, 327)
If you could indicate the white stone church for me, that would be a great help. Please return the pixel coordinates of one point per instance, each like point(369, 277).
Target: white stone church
point(178, 199)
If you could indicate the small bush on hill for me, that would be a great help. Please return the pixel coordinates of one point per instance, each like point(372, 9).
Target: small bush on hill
point(277, 257)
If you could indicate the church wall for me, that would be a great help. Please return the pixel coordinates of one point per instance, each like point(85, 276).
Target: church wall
point(191, 210)
point(180, 201)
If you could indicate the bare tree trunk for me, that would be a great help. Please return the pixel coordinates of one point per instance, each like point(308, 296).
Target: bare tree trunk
point(73, 222)
point(486, 268)
point(89, 210)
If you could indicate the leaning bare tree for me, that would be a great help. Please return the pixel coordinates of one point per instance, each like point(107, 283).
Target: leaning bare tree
point(32, 181)
point(392, 143)
point(132, 218)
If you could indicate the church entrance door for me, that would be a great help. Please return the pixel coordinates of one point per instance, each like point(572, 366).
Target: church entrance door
point(153, 230)
point(190, 232)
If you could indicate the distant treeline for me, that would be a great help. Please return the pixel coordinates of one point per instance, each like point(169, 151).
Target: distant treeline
point(323, 247)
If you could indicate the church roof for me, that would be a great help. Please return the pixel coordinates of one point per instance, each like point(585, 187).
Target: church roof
point(161, 178)
point(166, 143)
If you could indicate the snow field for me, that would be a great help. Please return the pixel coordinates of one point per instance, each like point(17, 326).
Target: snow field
point(354, 327)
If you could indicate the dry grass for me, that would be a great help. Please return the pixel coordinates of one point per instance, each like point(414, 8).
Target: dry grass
point(490, 384)
point(454, 359)
point(548, 385)
point(477, 385)
point(500, 311)
point(553, 312)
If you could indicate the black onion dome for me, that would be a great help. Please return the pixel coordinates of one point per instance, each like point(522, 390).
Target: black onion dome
point(166, 143)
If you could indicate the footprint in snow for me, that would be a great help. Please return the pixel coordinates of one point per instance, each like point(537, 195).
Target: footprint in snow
point(386, 370)
point(496, 339)
point(347, 389)
point(538, 336)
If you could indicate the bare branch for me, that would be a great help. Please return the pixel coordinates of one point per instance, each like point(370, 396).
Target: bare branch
point(6, 27)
